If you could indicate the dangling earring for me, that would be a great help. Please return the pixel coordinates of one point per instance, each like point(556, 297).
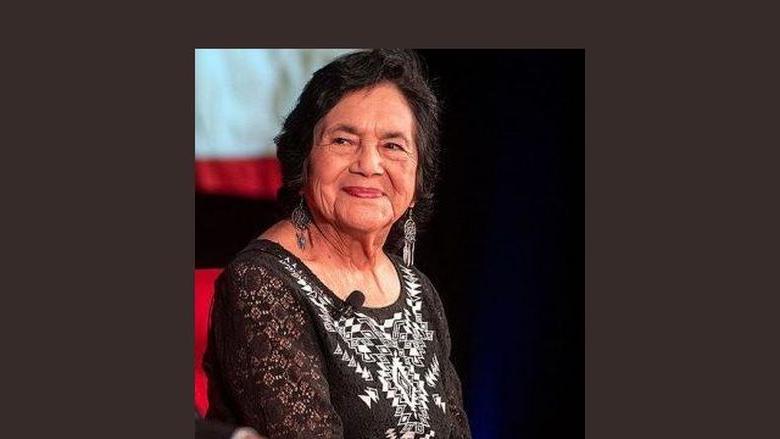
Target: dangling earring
point(300, 219)
point(410, 234)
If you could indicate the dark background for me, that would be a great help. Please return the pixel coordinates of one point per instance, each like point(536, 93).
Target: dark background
point(505, 247)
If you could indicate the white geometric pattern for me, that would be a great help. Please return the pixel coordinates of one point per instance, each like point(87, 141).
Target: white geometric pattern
point(388, 354)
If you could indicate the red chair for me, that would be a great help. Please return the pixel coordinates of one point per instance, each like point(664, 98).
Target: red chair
point(204, 291)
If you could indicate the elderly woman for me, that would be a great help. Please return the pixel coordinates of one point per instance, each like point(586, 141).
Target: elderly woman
point(318, 330)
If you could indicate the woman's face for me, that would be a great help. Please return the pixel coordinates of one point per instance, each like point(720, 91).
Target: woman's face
point(364, 161)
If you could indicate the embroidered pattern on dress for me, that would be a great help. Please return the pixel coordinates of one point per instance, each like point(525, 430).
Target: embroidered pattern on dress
point(389, 356)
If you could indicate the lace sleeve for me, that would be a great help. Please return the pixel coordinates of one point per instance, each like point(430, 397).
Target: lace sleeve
point(452, 385)
point(269, 357)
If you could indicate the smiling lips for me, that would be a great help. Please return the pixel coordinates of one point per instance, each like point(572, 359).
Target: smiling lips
point(363, 192)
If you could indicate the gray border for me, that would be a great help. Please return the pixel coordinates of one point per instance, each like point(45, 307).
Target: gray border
point(681, 212)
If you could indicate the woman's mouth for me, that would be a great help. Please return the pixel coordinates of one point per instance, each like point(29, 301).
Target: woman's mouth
point(363, 192)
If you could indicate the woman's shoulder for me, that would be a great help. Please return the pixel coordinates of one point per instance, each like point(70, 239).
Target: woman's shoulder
point(420, 287)
point(265, 251)
point(282, 234)
point(416, 280)
point(256, 273)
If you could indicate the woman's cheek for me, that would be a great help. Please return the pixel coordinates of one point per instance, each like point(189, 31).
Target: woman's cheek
point(323, 201)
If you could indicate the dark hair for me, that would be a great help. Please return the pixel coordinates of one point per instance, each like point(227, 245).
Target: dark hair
point(327, 87)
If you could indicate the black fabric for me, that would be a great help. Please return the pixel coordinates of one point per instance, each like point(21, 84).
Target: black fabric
point(279, 360)
point(212, 430)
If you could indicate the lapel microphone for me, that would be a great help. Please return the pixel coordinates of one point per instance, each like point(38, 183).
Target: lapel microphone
point(354, 300)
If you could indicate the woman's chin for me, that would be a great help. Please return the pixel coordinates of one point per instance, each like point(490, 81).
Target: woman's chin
point(366, 220)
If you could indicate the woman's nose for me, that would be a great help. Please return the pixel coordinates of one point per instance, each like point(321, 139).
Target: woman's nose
point(368, 161)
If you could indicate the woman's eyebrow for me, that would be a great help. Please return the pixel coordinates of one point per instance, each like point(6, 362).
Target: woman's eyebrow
point(343, 127)
point(394, 135)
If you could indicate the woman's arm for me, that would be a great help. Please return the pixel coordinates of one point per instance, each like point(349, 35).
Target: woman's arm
point(454, 393)
point(452, 385)
point(267, 354)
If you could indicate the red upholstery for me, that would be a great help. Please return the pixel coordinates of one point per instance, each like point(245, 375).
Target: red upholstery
point(204, 291)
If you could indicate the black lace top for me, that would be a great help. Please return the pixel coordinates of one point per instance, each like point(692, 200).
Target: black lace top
point(281, 359)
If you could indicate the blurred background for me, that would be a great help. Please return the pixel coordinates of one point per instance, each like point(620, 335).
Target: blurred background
point(505, 248)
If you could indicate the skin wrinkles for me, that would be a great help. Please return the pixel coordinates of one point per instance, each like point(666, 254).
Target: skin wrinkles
point(366, 140)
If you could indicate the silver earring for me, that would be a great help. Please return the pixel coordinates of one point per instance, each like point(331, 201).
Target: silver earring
point(300, 220)
point(410, 235)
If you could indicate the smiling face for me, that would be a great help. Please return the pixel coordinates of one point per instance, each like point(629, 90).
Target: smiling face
point(362, 166)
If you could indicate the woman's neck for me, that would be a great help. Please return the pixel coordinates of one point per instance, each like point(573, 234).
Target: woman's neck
point(359, 251)
point(343, 262)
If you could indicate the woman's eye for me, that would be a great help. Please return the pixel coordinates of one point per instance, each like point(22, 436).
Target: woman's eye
point(394, 146)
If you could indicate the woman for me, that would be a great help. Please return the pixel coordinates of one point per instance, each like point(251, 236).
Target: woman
point(292, 350)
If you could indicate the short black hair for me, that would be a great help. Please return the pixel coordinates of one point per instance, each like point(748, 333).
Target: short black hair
point(345, 74)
